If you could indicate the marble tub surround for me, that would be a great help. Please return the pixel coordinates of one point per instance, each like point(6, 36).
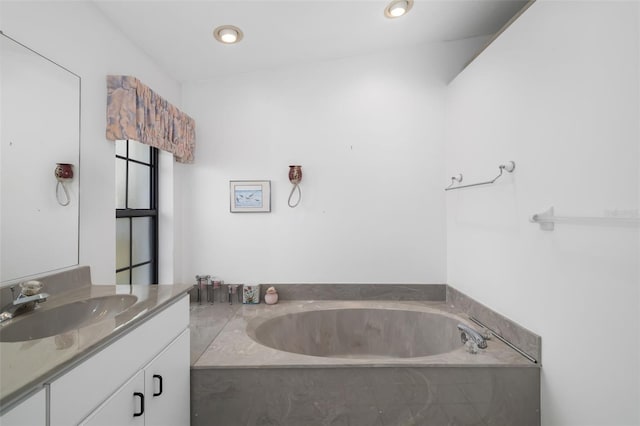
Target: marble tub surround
point(26, 366)
point(233, 346)
point(239, 381)
point(356, 396)
point(431, 292)
point(525, 340)
point(206, 322)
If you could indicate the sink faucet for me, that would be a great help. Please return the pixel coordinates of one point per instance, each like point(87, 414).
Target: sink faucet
point(468, 333)
point(21, 304)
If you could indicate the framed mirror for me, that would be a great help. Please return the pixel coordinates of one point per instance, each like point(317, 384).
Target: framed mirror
point(40, 129)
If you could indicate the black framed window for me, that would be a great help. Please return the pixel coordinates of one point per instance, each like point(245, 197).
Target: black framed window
point(136, 213)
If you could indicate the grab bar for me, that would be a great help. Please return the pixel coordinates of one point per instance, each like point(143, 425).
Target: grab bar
point(503, 340)
point(547, 220)
point(510, 166)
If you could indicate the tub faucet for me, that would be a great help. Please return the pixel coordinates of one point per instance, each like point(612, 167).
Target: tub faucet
point(21, 304)
point(468, 333)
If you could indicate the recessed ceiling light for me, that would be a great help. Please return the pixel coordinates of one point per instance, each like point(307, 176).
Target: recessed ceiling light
point(397, 8)
point(228, 34)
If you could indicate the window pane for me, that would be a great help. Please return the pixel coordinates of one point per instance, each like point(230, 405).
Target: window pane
point(139, 186)
point(135, 236)
point(121, 183)
point(121, 148)
point(141, 275)
point(139, 151)
point(122, 277)
point(142, 243)
point(122, 242)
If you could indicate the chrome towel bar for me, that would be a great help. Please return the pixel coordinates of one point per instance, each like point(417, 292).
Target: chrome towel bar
point(509, 167)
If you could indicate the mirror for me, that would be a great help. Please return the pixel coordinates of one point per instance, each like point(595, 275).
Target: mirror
point(40, 129)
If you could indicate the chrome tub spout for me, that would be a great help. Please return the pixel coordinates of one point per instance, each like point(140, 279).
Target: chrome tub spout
point(468, 333)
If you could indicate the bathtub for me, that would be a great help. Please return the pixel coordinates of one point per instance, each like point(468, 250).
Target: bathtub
point(357, 363)
point(359, 333)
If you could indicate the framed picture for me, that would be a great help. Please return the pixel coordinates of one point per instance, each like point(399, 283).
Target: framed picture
point(250, 196)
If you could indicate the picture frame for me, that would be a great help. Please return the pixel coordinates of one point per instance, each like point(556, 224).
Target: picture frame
point(250, 196)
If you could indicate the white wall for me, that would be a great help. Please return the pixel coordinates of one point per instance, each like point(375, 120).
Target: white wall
point(77, 36)
point(558, 93)
point(369, 134)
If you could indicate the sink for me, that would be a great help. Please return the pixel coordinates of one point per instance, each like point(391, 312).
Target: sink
point(49, 322)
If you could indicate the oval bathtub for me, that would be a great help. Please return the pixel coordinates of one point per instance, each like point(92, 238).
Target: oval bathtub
point(360, 333)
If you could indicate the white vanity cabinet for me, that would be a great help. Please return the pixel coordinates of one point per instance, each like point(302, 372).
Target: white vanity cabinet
point(30, 412)
point(157, 395)
point(111, 384)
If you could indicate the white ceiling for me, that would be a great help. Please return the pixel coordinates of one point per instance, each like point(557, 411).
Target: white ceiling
point(178, 34)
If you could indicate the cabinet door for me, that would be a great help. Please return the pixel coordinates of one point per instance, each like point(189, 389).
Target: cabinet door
point(126, 407)
point(167, 385)
point(31, 412)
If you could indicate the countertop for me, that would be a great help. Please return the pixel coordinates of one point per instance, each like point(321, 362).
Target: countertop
point(27, 365)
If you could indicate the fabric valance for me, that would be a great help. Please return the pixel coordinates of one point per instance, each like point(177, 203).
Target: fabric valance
point(134, 111)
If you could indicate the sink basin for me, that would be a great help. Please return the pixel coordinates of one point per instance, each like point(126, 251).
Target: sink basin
point(50, 322)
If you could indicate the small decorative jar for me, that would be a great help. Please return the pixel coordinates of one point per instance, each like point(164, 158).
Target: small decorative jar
point(250, 294)
point(271, 296)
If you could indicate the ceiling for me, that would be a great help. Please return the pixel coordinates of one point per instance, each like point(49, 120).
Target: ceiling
point(178, 34)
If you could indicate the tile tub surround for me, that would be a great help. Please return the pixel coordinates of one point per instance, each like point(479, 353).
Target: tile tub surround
point(26, 366)
point(238, 381)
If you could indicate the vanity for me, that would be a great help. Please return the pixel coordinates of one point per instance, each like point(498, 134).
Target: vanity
point(125, 363)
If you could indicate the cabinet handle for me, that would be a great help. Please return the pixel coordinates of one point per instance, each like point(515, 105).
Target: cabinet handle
point(141, 395)
point(159, 377)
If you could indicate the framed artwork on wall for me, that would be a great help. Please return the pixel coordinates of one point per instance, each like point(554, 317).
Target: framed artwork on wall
point(250, 196)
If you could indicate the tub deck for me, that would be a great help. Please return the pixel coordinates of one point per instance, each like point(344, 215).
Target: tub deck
point(233, 348)
point(236, 381)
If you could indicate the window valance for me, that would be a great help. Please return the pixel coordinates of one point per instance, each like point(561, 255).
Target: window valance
point(134, 111)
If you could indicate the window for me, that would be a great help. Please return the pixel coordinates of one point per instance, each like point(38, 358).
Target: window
point(136, 213)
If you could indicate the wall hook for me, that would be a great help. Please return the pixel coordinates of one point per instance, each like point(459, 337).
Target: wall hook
point(454, 179)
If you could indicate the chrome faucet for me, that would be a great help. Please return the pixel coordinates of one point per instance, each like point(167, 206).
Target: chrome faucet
point(21, 304)
point(468, 333)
